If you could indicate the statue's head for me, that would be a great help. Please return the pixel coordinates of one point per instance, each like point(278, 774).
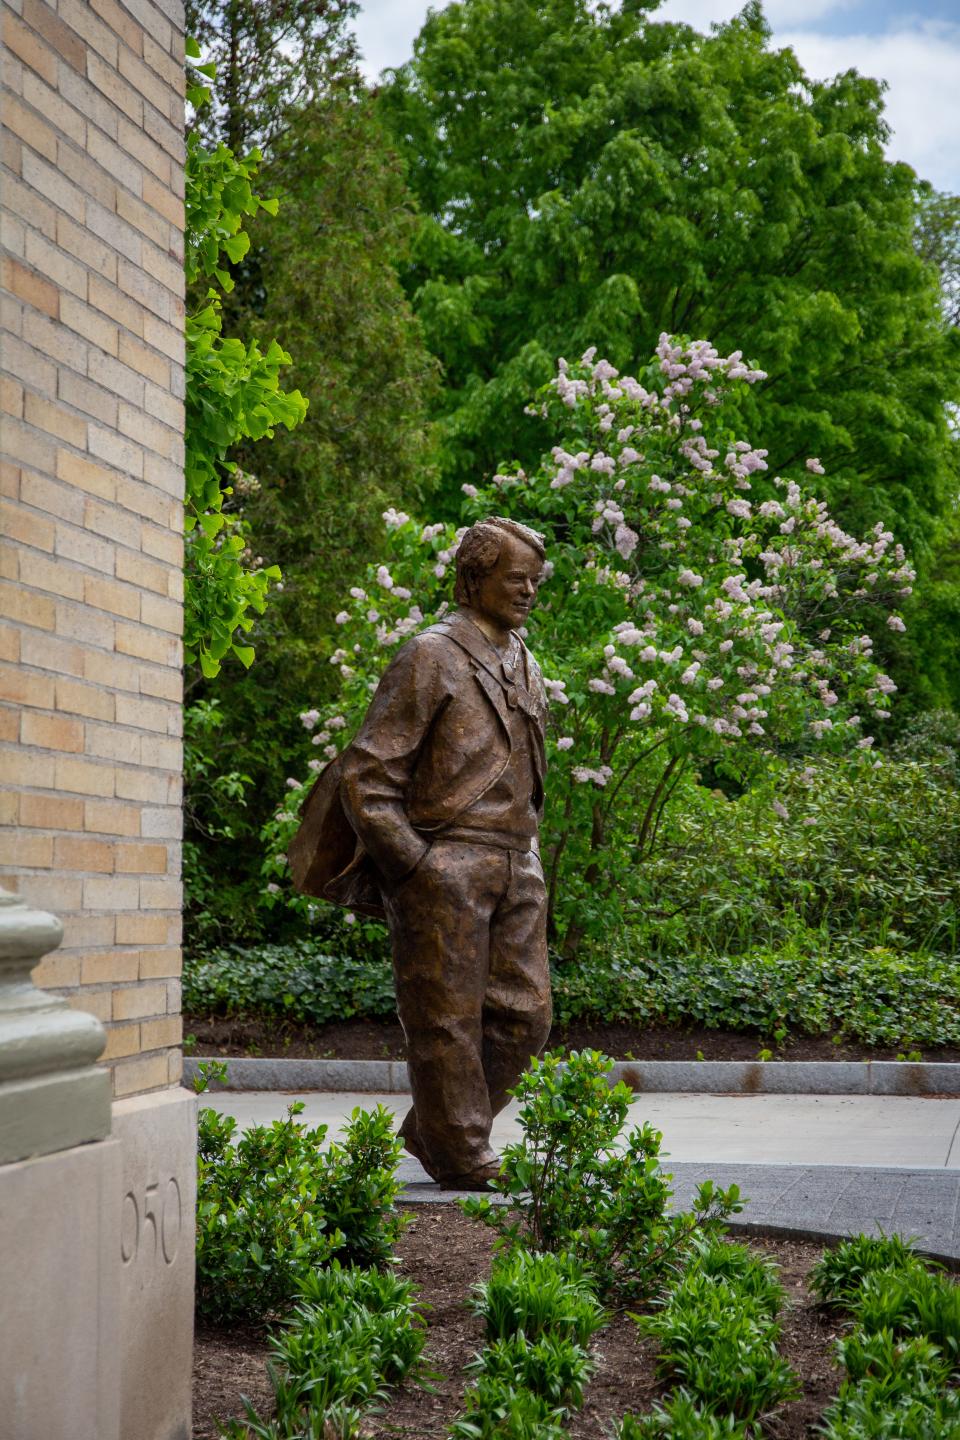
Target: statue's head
point(499, 569)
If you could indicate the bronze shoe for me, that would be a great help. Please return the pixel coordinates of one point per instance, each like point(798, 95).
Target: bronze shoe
point(480, 1179)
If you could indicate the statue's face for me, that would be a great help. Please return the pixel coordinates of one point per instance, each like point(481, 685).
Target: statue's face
point(506, 595)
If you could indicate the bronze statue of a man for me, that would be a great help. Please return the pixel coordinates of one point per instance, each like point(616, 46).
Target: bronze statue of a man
point(443, 790)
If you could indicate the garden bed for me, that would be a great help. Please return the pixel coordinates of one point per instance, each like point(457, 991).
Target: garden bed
point(383, 1040)
point(444, 1253)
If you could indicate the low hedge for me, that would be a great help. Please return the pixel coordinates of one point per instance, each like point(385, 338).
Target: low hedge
point(877, 996)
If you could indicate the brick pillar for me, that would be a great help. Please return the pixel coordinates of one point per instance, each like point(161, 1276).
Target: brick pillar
point(91, 370)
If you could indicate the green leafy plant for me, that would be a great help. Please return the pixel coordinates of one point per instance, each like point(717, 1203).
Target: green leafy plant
point(536, 1295)
point(554, 1367)
point(232, 393)
point(574, 1186)
point(897, 1368)
point(868, 1414)
point(354, 1334)
point(359, 1337)
point(912, 1302)
point(750, 1275)
point(838, 1277)
point(277, 1203)
point(901, 1355)
point(296, 982)
point(718, 1337)
point(209, 1072)
point(361, 1187)
point(681, 1417)
point(495, 1409)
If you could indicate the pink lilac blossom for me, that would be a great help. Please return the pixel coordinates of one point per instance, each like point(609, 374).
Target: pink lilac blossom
point(625, 541)
point(583, 775)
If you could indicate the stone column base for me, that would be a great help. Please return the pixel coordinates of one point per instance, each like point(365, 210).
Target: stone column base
point(59, 1295)
point(155, 1240)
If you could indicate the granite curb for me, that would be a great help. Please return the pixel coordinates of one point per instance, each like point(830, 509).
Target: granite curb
point(708, 1077)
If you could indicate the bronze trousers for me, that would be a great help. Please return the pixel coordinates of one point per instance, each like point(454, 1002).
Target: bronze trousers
point(468, 929)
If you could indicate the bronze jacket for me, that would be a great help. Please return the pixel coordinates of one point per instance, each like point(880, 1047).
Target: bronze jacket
point(435, 738)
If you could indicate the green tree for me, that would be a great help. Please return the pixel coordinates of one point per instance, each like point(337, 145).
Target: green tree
point(590, 176)
point(938, 242)
point(321, 276)
point(233, 394)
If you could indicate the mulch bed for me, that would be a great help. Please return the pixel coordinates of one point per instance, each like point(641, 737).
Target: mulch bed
point(445, 1253)
point(372, 1040)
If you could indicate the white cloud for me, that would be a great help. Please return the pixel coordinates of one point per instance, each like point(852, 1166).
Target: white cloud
point(704, 13)
point(386, 30)
point(922, 69)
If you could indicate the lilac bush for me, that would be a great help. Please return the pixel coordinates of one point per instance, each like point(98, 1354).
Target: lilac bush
point(696, 612)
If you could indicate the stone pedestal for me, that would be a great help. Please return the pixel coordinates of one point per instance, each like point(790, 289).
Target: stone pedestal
point(155, 1258)
point(59, 1295)
point(52, 1096)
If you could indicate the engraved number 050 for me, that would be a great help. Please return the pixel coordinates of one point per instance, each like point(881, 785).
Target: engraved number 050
point(160, 1214)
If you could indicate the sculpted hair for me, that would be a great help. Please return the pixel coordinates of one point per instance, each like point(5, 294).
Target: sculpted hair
point(479, 551)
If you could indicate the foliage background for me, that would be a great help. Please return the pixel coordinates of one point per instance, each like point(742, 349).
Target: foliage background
point(538, 178)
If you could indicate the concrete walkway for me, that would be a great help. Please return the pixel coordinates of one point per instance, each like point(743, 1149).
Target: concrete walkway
point(824, 1165)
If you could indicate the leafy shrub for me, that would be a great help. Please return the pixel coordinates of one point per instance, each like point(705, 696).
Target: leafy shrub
point(878, 996)
point(339, 1422)
point(573, 1186)
point(681, 1417)
point(820, 853)
point(905, 1343)
point(537, 1295)
point(337, 1286)
point(717, 1336)
point(912, 1302)
point(361, 1333)
point(839, 1274)
point(275, 1205)
point(496, 1410)
point(294, 982)
point(751, 1276)
point(867, 1414)
point(899, 1368)
point(344, 1349)
point(554, 1367)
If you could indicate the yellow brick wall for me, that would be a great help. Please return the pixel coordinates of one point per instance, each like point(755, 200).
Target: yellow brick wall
point(91, 523)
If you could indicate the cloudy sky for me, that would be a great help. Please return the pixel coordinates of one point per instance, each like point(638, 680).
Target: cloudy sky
point(915, 47)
